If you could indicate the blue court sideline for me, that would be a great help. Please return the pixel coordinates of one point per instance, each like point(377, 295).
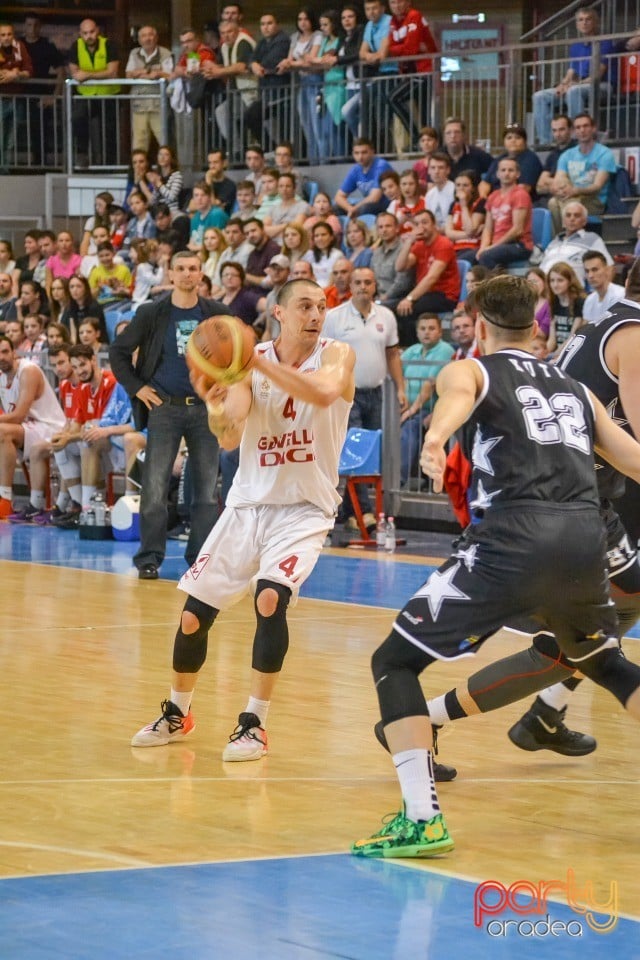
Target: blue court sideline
point(349, 578)
point(306, 908)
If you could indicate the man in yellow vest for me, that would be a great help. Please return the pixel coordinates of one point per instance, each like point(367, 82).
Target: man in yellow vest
point(95, 120)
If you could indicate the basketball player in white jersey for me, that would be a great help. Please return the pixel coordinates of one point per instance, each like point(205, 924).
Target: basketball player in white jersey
point(289, 416)
point(30, 414)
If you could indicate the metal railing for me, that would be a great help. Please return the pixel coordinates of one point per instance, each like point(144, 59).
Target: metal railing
point(487, 88)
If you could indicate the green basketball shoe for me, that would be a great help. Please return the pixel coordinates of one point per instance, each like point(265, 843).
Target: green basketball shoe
point(401, 837)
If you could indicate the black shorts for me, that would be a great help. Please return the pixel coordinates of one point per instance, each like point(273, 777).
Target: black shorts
point(622, 556)
point(522, 559)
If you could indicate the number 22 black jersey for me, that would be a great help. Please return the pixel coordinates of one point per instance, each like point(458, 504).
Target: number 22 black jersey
point(583, 359)
point(530, 436)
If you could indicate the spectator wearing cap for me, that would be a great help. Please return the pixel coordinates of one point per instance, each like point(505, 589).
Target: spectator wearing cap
point(515, 148)
point(278, 272)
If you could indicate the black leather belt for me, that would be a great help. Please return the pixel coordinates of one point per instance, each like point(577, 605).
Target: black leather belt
point(183, 401)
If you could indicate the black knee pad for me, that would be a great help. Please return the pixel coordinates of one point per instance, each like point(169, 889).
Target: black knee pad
point(190, 649)
point(610, 669)
point(271, 640)
point(396, 666)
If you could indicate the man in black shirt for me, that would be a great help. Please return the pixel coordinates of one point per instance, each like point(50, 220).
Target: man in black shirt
point(535, 546)
point(164, 400)
point(267, 116)
point(48, 64)
point(463, 156)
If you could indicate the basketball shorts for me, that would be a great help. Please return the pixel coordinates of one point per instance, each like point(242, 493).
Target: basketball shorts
point(522, 559)
point(36, 432)
point(247, 544)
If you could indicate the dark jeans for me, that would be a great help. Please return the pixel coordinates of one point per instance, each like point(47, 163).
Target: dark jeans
point(503, 254)
point(167, 424)
point(95, 127)
point(366, 412)
point(431, 302)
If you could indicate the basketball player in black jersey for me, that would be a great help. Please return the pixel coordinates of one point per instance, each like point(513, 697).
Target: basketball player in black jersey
point(535, 547)
point(605, 356)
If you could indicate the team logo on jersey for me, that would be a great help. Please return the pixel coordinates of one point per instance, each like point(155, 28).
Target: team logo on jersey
point(196, 568)
point(265, 388)
point(483, 498)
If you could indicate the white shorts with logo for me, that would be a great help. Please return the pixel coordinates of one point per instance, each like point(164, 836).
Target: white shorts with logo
point(247, 544)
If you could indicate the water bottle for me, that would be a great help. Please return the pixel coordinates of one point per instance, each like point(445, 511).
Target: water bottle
point(193, 62)
point(381, 531)
point(90, 517)
point(99, 507)
point(54, 486)
point(390, 536)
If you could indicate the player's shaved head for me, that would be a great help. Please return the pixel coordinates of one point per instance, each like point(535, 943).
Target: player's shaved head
point(295, 288)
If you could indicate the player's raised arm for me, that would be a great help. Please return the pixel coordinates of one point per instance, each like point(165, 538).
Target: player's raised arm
point(458, 386)
point(334, 379)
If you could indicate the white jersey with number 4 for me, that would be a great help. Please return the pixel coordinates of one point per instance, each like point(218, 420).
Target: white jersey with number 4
point(290, 449)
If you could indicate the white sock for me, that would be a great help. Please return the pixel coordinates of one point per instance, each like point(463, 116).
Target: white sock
point(63, 500)
point(75, 492)
point(260, 708)
point(6, 493)
point(38, 499)
point(87, 493)
point(437, 711)
point(556, 696)
point(414, 769)
point(181, 700)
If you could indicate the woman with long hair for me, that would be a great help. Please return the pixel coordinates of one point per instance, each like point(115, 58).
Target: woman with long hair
point(322, 209)
point(213, 243)
point(357, 243)
point(429, 143)
point(32, 302)
point(57, 335)
point(324, 253)
point(295, 242)
point(100, 218)
point(82, 304)
point(537, 279)
point(331, 97)
point(305, 43)
point(59, 301)
point(466, 217)
point(166, 179)
point(7, 262)
point(566, 301)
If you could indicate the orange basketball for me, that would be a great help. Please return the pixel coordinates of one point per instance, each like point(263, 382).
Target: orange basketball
point(221, 348)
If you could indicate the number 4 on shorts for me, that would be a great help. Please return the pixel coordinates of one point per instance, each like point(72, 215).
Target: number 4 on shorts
point(288, 566)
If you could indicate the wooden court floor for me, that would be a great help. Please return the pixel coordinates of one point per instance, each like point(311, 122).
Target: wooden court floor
point(85, 658)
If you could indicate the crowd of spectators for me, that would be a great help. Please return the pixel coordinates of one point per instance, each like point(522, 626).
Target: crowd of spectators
point(398, 250)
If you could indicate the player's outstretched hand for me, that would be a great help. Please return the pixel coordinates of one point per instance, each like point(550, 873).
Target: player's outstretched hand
point(433, 461)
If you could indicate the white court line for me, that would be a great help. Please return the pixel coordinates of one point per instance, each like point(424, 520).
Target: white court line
point(130, 862)
point(345, 780)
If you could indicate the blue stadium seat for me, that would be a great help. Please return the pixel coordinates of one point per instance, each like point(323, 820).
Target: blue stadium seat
point(542, 227)
point(361, 453)
point(463, 269)
point(361, 462)
point(311, 188)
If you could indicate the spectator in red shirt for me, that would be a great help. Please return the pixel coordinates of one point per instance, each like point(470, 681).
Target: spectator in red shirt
point(340, 290)
point(15, 65)
point(437, 280)
point(507, 229)
point(410, 36)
